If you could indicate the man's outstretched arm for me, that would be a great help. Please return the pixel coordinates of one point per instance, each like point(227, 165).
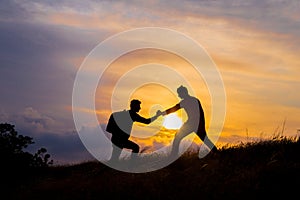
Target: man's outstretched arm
point(172, 109)
point(158, 113)
point(136, 117)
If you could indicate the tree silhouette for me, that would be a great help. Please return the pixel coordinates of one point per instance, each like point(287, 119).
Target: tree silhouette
point(12, 152)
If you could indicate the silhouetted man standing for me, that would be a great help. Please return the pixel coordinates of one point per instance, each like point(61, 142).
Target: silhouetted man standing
point(195, 122)
point(120, 126)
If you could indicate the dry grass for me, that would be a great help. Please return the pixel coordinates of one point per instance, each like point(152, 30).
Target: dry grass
point(262, 169)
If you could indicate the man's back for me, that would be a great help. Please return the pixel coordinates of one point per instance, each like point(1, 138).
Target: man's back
point(193, 110)
point(120, 124)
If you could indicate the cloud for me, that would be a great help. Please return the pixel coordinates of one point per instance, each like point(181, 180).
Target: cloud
point(39, 62)
point(11, 11)
point(38, 122)
point(64, 148)
point(33, 122)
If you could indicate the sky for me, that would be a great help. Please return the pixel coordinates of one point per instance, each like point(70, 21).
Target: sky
point(254, 44)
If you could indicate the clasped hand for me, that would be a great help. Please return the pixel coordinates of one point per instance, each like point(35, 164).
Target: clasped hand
point(158, 113)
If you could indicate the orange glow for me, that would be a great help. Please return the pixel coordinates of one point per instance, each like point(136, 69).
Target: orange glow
point(150, 94)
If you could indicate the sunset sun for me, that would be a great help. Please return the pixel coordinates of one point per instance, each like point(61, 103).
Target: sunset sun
point(172, 121)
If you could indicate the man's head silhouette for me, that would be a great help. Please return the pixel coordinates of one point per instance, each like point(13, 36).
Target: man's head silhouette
point(135, 105)
point(182, 92)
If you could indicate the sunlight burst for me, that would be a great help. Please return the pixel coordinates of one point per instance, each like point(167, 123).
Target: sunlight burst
point(172, 121)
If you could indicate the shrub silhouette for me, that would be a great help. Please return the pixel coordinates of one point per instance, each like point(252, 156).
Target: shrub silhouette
point(41, 158)
point(12, 152)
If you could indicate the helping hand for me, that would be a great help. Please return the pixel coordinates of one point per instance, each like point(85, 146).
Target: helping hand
point(158, 113)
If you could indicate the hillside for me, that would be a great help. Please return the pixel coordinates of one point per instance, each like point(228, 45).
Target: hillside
point(262, 169)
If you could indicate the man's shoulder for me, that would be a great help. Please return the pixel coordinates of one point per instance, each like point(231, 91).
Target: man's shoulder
point(134, 115)
point(190, 98)
point(123, 114)
point(195, 99)
point(120, 111)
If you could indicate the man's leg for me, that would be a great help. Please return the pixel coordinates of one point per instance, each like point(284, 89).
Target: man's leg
point(116, 152)
point(133, 146)
point(203, 136)
point(117, 146)
point(182, 132)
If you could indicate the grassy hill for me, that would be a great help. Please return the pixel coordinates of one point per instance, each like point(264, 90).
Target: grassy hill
point(263, 169)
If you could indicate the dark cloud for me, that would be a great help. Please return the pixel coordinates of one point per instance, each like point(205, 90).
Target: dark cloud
point(37, 78)
point(37, 59)
point(10, 11)
point(64, 149)
point(33, 122)
point(36, 67)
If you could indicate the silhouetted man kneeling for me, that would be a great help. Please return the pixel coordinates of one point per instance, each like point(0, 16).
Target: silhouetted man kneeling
point(120, 126)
